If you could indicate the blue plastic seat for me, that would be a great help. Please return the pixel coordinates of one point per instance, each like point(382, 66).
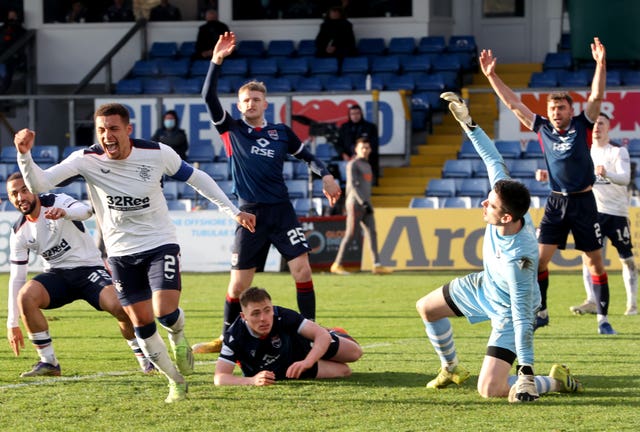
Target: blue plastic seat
point(176, 205)
point(532, 149)
point(293, 66)
point(631, 78)
point(509, 149)
point(429, 82)
point(163, 50)
point(441, 187)
point(250, 48)
point(371, 46)
point(193, 85)
point(457, 168)
point(446, 62)
point(45, 154)
point(306, 47)
point(323, 151)
point(297, 188)
point(457, 202)
point(234, 66)
point(543, 79)
point(431, 97)
point(474, 187)
point(145, 68)
point(580, 78)
point(216, 170)
point(74, 189)
point(462, 43)
point(401, 45)
point(400, 82)
point(129, 86)
point(187, 49)
point(300, 170)
point(467, 151)
point(340, 83)
point(174, 67)
point(479, 168)
point(324, 65)
point(614, 78)
point(201, 153)
point(282, 84)
point(424, 202)
point(157, 86)
point(309, 84)
point(357, 65)
point(633, 147)
point(262, 66)
point(432, 44)
point(281, 48)
point(416, 63)
point(523, 168)
point(536, 188)
point(389, 63)
point(170, 190)
point(560, 60)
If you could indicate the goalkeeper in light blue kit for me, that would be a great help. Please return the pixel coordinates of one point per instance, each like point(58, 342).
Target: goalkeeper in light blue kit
point(505, 292)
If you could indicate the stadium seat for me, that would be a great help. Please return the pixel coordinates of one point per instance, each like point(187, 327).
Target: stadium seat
point(45, 154)
point(509, 149)
point(300, 170)
point(234, 66)
point(462, 43)
point(306, 48)
point(457, 168)
point(281, 48)
point(479, 168)
point(9, 154)
point(340, 83)
point(287, 170)
point(400, 82)
point(74, 189)
point(523, 168)
point(309, 84)
point(323, 65)
point(157, 86)
point(473, 187)
point(379, 80)
point(561, 60)
point(297, 188)
point(323, 151)
point(614, 78)
point(631, 78)
point(199, 67)
point(262, 66)
point(201, 153)
point(129, 86)
point(633, 147)
point(424, 202)
point(216, 170)
point(293, 66)
point(5, 171)
point(170, 190)
point(194, 85)
point(536, 188)
point(467, 151)
point(174, 67)
point(250, 48)
point(532, 150)
point(187, 49)
point(145, 68)
point(446, 63)
point(543, 79)
point(382, 64)
point(457, 202)
point(163, 50)
point(429, 82)
point(177, 205)
point(580, 78)
point(441, 187)
point(371, 46)
point(355, 65)
point(402, 45)
point(432, 44)
point(282, 84)
point(416, 63)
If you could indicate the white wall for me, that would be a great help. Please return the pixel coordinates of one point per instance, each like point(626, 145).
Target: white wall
point(67, 51)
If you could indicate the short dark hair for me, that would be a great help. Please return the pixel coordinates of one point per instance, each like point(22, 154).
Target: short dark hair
point(110, 109)
point(253, 295)
point(558, 96)
point(363, 139)
point(15, 176)
point(355, 107)
point(604, 115)
point(515, 197)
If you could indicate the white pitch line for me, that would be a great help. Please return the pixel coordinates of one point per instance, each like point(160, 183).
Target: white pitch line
point(55, 380)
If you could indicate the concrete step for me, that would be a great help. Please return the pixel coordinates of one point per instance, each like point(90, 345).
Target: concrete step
point(387, 201)
point(412, 171)
point(403, 181)
point(401, 190)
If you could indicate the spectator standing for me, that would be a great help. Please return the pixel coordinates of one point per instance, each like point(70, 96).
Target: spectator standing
point(165, 11)
point(359, 208)
point(356, 127)
point(336, 37)
point(119, 12)
point(77, 13)
point(10, 32)
point(171, 134)
point(208, 34)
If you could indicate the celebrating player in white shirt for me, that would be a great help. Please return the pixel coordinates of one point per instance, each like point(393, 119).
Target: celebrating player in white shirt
point(124, 178)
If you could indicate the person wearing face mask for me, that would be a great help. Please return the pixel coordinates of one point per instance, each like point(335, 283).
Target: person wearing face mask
point(171, 134)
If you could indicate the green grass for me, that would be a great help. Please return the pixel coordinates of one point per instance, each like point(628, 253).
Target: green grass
point(101, 389)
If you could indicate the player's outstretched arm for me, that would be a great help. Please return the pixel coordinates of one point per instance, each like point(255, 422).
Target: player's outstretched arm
point(224, 47)
point(223, 375)
point(599, 80)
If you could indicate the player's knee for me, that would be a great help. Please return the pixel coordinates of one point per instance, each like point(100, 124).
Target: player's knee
point(30, 297)
point(491, 388)
point(422, 306)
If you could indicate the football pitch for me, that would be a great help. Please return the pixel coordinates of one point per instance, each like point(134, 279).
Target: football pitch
point(101, 388)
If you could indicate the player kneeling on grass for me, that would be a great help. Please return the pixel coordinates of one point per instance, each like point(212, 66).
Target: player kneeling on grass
point(50, 226)
point(272, 343)
point(506, 292)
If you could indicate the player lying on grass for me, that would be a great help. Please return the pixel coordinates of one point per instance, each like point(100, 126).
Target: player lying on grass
point(506, 292)
point(272, 343)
